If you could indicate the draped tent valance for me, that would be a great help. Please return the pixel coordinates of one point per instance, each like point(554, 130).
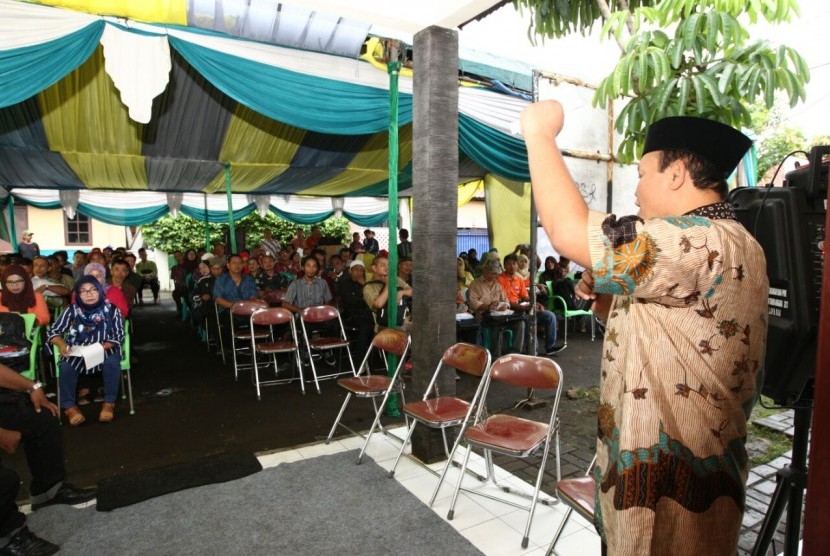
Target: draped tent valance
point(136, 208)
point(287, 121)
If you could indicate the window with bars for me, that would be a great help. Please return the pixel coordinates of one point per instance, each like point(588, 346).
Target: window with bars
point(78, 230)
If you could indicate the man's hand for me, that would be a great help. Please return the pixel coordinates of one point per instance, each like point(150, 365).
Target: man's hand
point(585, 290)
point(9, 440)
point(39, 400)
point(544, 118)
point(585, 287)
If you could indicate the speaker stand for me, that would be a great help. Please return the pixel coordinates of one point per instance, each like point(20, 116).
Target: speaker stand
point(789, 490)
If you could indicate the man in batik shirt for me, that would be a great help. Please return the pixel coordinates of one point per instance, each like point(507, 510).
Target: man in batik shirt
point(683, 353)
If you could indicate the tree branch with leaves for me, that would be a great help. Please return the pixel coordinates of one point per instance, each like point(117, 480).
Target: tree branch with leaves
point(681, 57)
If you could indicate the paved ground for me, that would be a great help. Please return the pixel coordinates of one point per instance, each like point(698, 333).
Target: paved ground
point(189, 406)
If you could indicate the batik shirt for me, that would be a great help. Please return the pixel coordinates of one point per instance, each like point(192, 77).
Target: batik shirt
point(681, 367)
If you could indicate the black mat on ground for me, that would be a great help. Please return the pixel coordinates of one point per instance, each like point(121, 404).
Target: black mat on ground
point(324, 505)
point(124, 490)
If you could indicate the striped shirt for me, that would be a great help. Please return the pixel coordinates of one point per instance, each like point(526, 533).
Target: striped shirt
point(303, 294)
point(109, 329)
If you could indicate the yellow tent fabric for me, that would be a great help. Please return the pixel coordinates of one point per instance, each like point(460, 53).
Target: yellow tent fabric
point(508, 212)
point(91, 129)
point(466, 191)
point(153, 11)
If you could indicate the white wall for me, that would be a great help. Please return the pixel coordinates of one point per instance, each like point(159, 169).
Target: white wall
point(48, 226)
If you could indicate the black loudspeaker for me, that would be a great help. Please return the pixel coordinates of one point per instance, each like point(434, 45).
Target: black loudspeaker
point(789, 224)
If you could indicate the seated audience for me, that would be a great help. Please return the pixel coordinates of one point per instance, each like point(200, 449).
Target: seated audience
point(113, 295)
point(202, 296)
point(550, 273)
point(27, 417)
point(234, 286)
point(54, 292)
point(464, 276)
point(118, 279)
point(59, 273)
point(307, 291)
point(487, 295)
point(515, 287)
point(356, 314)
point(269, 280)
point(178, 274)
point(90, 319)
point(149, 277)
point(405, 270)
point(19, 296)
point(376, 295)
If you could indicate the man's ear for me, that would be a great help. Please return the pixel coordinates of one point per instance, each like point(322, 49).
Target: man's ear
point(677, 173)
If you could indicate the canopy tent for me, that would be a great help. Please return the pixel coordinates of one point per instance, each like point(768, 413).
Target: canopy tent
point(281, 121)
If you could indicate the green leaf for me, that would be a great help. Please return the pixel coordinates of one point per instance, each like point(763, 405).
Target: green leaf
point(683, 99)
point(769, 88)
point(712, 30)
point(700, 94)
point(675, 52)
point(712, 87)
point(664, 94)
point(725, 80)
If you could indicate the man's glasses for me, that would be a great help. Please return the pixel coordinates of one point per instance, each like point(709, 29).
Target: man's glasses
point(87, 291)
point(15, 282)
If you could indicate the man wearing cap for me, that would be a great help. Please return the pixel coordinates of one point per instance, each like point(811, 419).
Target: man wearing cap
point(487, 295)
point(684, 288)
point(27, 248)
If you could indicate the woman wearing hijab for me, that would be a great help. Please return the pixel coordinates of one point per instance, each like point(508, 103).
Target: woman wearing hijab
point(113, 295)
point(90, 319)
point(524, 267)
point(19, 296)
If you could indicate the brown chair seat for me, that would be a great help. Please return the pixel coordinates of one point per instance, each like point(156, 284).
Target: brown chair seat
point(508, 434)
point(276, 347)
point(246, 334)
point(579, 493)
point(365, 384)
point(328, 343)
point(438, 412)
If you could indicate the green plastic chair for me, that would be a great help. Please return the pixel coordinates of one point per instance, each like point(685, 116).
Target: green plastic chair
point(33, 335)
point(558, 305)
point(126, 392)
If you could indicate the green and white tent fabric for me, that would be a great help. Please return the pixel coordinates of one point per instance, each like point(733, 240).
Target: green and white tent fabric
point(98, 104)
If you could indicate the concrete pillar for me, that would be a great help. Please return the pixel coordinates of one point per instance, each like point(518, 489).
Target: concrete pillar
point(435, 179)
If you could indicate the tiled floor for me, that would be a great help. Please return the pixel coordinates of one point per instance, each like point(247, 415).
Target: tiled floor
point(493, 527)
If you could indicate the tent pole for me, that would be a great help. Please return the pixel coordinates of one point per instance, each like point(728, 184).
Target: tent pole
point(12, 224)
point(394, 68)
point(231, 228)
point(207, 227)
point(531, 402)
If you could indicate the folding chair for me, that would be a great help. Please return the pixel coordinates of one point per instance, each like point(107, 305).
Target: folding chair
point(219, 342)
point(126, 350)
point(274, 298)
point(126, 388)
point(33, 335)
point(269, 318)
point(441, 412)
point(515, 436)
point(240, 312)
point(559, 305)
point(366, 385)
point(578, 494)
point(325, 315)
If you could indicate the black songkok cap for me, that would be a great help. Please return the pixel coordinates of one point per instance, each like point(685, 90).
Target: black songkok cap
point(720, 144)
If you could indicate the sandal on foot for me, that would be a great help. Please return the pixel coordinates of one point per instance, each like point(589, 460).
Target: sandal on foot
point(74, 415)
point(83, 396)
point(107, 412)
